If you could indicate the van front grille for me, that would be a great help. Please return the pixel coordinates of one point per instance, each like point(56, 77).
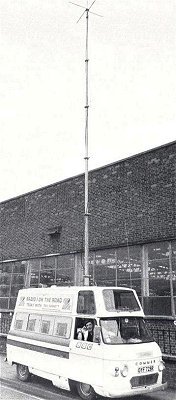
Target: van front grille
point(143, 380)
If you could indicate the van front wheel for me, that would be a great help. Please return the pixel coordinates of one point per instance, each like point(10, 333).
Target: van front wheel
point(23, 373)
point(85, 391)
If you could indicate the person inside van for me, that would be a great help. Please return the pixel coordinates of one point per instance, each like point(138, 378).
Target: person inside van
point(86, 333)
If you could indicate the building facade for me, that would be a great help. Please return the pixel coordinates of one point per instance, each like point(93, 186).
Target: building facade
point(132, 231)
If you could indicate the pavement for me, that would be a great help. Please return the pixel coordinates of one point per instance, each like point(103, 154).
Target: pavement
point(8, 378)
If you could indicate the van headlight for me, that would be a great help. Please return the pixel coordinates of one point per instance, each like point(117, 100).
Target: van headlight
point(116, 371)
point(124, 370)
point(161, 366)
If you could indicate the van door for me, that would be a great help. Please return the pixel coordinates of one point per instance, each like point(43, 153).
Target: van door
point(86, 361)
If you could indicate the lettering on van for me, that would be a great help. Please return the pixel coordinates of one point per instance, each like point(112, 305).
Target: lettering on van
point(82, 345)
point(46, 303)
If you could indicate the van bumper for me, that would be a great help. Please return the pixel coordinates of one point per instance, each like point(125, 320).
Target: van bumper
point(110, 392)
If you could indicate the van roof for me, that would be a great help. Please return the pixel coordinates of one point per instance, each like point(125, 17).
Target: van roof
point(76, 288)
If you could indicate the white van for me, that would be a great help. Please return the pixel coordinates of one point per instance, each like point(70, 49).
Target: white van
point(48, 338)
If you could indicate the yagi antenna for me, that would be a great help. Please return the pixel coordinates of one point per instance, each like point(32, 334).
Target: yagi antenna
point(86, 9)
point(86, 275)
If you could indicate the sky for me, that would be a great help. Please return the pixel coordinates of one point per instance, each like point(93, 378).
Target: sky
point(132, 86)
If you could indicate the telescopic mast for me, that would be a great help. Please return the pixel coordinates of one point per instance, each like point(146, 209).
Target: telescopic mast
point(86, 275)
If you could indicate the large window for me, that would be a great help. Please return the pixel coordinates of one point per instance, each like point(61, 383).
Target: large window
point(159, 276)
point(129, 267)
point(12, 278)
point(149, 269)
point(117, 267)
point(54, 270)
point(49, 270)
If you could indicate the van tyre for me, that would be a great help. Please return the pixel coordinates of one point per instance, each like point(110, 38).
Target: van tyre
point(85, 391)
point(23, 373)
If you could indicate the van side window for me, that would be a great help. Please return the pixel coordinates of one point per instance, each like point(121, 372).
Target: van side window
point(62, 327)
point(47, 324)
point(18, 324)
point(86, 302)
point(20, 321)
point(45, 327)
point(33, 323)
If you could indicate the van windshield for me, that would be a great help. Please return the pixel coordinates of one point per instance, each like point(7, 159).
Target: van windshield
point(125, 330)
point(120, 300)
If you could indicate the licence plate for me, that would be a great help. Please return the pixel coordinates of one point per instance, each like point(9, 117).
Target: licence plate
point(147, 368)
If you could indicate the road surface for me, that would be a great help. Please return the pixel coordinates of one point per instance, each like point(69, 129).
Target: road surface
point(41, 389)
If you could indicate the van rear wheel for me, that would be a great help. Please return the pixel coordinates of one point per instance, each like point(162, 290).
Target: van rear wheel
point(23, 373)
point(85, 391)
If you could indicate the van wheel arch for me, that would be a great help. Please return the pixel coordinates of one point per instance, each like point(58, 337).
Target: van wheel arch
point(73, 386)
point(23, 373)
point(85, 391)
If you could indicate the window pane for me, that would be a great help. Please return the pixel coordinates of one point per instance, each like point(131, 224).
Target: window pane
point(118, 299)
point(47, 263)
point(159, 275)
point(4, 291)
point(158, 251)
point(34, 266)
point(159, 269)
point(33, 323)
point(47, 277)
point(47, 273)
point(65, 270)
point(62, 327)
point(47, 324)
point(19, 267)
point(12, 303)
point(133, 284)
point(4, 303)
point(45, 327)
point(6, 267)
point(157, 305)
point(20, 321)
point(34, 279)
point(86, 302)
point(5, 279)
point(17, 279)
point(159, 287)
point(15, 289)
point(129, 262)
point(114, 265)
point(105, 268)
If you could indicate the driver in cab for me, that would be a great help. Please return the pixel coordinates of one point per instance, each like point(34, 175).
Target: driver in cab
point(86, 333)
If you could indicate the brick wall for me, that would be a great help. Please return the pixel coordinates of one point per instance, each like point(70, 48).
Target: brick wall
point(171, 374)
point(164, 333)
point(137, 195)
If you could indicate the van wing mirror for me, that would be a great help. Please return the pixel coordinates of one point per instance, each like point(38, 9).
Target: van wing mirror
point(97, 334)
